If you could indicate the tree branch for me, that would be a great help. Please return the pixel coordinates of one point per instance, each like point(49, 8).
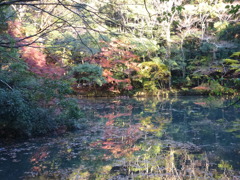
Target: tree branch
point(145, 5)
point(7, 3)
point(6, 84)
point(70, 25)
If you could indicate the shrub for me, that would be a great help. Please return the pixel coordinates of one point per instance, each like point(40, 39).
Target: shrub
point(31, 105)
point(20, 117)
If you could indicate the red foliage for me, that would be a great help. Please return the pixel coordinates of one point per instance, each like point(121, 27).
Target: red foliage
point(114, 56)
point(201, 88)
point(14, 29)
point(32, 53)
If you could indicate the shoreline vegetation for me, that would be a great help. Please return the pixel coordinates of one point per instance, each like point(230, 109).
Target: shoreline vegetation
point(54, 124)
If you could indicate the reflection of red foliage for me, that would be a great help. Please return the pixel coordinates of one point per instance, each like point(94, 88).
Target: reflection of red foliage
point(111, 117)
point(40, 155)
point(36, 169)
point(200, 103)
point(32, 54)
point(116, 55)
point(119, 140)
point(109, 122)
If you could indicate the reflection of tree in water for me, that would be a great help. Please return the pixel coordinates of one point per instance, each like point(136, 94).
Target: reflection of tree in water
point(147, 139)
point(119, 140)
point(119, 137)
point(122, 138)
point(171, 159)
point(174, 163)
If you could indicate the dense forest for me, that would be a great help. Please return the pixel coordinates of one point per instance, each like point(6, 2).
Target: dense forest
point(53, 52)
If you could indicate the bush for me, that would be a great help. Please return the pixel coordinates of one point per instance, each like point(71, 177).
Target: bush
point(19, 117)
point(31, 105)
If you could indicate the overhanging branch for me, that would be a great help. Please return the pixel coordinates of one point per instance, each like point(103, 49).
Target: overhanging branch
point(7, 3)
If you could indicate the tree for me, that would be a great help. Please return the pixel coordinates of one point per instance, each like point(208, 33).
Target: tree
point(118, 64)
point(153, 76)
point(88, 75)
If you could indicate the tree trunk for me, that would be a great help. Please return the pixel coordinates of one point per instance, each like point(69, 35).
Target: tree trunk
point(170, 82)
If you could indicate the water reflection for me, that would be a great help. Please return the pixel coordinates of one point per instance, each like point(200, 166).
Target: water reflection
point(177, 138)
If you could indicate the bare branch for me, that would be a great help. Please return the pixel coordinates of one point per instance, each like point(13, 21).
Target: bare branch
point(6, 84)
point(70, 25)
point(145, 5)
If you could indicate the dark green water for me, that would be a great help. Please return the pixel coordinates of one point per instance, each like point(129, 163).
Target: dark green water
point(122, 138)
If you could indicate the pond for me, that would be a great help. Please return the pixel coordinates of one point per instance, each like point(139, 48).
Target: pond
point(135, 138)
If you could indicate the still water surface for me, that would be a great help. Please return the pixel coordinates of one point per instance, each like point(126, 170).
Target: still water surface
point(141, 138)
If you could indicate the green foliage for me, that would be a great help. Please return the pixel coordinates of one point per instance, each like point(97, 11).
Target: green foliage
point(236, 55)
point(225, 165)
point(19, 116)
point(31, 105)
point(219, 26)
point(206, 47)
point(6, 14)
point(231, 33)
point(230, 61)
point(234, 64)
point(191, 45)
point(90, 73)
point(73, 50)
point(144, 47)
point(153, 75)
point(70, 113)
point(233, 9)
point(217, 89)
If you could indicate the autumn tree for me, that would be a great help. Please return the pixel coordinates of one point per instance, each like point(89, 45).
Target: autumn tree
point(118, 64)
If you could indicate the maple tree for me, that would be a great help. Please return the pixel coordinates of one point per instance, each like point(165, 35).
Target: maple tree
point(118, 63)
point(32, 54)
